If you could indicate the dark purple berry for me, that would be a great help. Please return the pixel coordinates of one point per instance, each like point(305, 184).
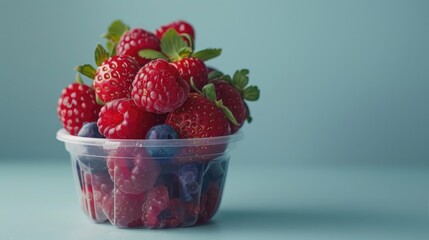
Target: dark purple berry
point(162, 131)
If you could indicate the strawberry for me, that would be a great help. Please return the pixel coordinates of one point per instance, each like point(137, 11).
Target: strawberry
point(122, 119)
point(158, 88)
point(232, 92)
point(189, 63)
point(198, 117)
point(135, 40)
point(77, 106)
point(181, 27)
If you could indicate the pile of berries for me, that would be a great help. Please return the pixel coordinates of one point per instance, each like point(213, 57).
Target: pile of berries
point(153, 86)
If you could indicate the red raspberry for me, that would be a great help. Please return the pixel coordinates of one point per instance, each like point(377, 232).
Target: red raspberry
point(76, 106)
point(122, 119)
point(158, 88)
point(132, 170)
point(156, 201)
point(193, 68)
point(135, 40)
point(114, 77)
point(123, 210)
point(95, 187)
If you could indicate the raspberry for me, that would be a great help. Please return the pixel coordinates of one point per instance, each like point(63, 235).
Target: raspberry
point(156, 202)
point(123, 210)
point(94, 188)
point(132, 170)
point(114, 76)
point(158, 88)
point(122, 119)
point(76, 106)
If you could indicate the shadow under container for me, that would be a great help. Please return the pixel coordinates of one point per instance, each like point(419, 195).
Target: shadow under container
point(149, 183)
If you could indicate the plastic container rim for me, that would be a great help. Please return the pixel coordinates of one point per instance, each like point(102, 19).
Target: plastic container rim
point(64, 136)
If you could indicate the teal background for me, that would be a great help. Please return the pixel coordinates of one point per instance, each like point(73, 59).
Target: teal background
point(342, 81)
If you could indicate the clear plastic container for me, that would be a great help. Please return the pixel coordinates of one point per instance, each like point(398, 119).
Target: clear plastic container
point(149, 183)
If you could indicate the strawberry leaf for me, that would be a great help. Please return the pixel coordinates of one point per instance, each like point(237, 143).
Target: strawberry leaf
point(112, 49)
point(152, 54)
point(215, 75)
point(185, 52)
point(240, 79)
point(210, 92)
point(251, 93)
point(99, 101)
point(207, 54)
point(227, 112)
point(115, 31)
point(86, 70)
point(171, 43)
point(78, 79)
point(189, 39)
point(100, 54)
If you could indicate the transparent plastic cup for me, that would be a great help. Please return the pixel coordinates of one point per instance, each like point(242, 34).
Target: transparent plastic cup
point(149, 183)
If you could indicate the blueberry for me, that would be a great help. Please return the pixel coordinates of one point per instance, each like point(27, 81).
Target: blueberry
point(91, 157)
point(162, 131)
point(189, 176)
point(90, 130)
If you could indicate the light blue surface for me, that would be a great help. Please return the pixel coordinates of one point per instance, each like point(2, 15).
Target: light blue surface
point(38, 201)
point(342, 81)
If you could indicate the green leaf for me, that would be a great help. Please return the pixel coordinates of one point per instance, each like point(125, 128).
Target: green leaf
point(100, 54)
point(112, 50)
point(251, 93)
point(99, 101)
point(215, 74)
point(185, 52)
point(227, 112)
point(78, 79)
point(171, 43)
point(240, 79)
point(210, 92)
point(207, 54)
point(152, 54)
point(115, 31)
point(226, 78)
point(190, 41)
point(86, 70)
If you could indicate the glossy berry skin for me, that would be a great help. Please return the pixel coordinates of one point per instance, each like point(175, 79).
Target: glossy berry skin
point(135, 40)
point(192, 68)
point(162, 131)
point(158, 87)
point(180, 26)
point(113, 78)
point(122, 119)
point(76, 106)
point(90, 130)
point(198, 117)
point(233, 100)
